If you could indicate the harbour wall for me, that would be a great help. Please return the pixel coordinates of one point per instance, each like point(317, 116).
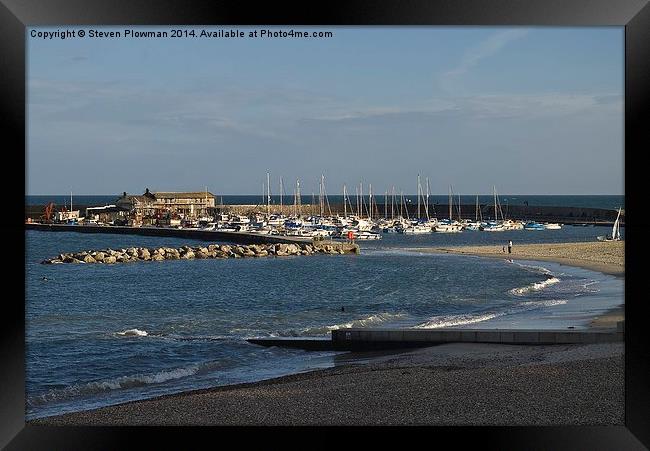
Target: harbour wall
point(564, 215)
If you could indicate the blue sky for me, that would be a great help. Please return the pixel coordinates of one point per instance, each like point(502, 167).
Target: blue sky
point(530, 110)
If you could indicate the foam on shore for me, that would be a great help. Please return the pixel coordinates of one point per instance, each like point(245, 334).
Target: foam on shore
point(536, 286)
point(133, 333)
point(367, 321)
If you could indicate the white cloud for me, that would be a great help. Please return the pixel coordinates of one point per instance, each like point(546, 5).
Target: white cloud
point(489, 47)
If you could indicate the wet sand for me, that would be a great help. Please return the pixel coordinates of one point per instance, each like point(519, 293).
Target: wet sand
point(606, 257)
point(451, 384)
point(610, 319)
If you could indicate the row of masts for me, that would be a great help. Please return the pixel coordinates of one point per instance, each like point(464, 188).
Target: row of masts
point(362, 209)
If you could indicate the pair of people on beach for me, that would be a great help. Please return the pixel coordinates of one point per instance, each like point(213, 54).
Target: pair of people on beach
point(509, 247)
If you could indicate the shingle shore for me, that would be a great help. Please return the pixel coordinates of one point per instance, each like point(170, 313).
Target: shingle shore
point(454, 384)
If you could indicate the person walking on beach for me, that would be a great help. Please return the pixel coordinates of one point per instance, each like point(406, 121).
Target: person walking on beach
point(510, 247)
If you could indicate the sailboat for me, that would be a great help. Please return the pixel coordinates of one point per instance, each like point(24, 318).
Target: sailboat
point(418, 225)
point(495, 226)
point(616, 230)
point(476, 225)
point(449, 225)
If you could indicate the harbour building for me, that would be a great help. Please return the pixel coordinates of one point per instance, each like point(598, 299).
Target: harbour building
point(190, 205)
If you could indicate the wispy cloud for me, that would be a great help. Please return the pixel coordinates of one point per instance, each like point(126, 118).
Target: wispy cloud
point(155, 110)
point(489, 47)
point(531, 106)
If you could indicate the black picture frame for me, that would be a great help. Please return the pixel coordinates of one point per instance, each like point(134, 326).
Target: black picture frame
point(634, 15)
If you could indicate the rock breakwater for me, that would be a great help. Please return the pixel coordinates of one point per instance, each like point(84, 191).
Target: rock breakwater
point(134, 254)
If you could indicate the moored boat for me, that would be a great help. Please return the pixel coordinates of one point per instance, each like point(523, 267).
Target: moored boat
point(534, 226)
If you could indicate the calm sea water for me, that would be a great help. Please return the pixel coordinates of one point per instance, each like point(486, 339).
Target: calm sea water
point(103, 334)
point(607, 202)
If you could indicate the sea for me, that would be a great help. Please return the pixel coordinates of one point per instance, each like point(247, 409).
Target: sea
point(98, 335)
point(610, 202)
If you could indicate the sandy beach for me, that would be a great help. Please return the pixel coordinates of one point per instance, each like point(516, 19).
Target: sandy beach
point(607, 256)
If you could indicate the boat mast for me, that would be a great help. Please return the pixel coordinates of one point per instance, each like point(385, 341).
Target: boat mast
point(392, 205)
point(320, 198)
point(419, 189)
point(350, 204)
point(281, 192)
point(298, 205)
point(460, 216)
point(370, 200)
point(361, 199)
point(494, 190)
point(345, 206)
point(451, 202)
point(326, 199)
point(500, 209)
point(426, 205)
point(386, 205)
point(476, 215)
point(406, 208)
point(401, 210)
point(356, 190)
point(268, 193)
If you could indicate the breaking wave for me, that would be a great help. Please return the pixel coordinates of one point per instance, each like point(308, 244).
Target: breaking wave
point(536, 286)
point(549, 303)
point(133, 333)
point(119, 383)
point(456, 320)
point(173, 337)
point(371, 320)
point(471, 318)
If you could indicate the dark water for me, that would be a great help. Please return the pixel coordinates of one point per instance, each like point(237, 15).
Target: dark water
point(607, 202)
point(86, 324)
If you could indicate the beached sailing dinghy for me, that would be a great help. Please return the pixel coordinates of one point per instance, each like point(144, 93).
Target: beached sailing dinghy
point(616, 230)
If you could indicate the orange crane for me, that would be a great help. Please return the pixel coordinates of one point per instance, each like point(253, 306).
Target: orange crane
point(48, 214)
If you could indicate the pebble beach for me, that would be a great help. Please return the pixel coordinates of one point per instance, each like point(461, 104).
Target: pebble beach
point(452, 384)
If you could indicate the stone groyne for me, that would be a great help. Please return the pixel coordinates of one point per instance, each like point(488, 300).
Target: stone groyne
point(134, 254)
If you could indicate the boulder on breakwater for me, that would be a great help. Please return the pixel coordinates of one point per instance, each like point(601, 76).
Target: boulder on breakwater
point(133, 254)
